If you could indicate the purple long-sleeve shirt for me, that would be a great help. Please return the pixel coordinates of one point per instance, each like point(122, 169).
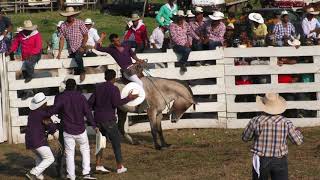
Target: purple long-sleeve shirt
point(72, 107)
point(36, 130)
point(104, 102)
point(122, 58)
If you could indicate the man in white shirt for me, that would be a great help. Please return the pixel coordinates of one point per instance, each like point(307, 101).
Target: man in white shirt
point(93, 38)
point(310, 26)
point(157, 37)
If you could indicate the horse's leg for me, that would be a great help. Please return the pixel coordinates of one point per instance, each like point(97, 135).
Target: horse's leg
point(152, 114)
point(160, 132)
point(122, 117)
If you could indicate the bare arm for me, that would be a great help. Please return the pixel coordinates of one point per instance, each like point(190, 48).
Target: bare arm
point(61, 45)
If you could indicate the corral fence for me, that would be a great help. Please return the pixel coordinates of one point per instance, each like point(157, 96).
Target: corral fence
point(212, 75)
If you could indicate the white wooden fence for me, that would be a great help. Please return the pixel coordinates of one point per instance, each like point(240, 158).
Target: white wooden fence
point(221, 111)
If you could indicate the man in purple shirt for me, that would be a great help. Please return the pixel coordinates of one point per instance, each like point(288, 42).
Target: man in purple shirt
point(122, 55)
point(36, 135)
point(72, 107)
point(104, 102)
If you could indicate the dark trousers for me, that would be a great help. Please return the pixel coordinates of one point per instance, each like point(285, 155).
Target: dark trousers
point(184, 52)
point(78, 57)
point(110, 131)
point(28, 65)
point(214, 44)
point(276, 168)
point(197, 45)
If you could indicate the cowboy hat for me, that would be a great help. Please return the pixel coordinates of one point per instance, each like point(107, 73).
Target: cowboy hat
point(60, 23)
point(37, 101)
point(198, 10)
point(284, 13)
point(294, 42)
point(312, 11)
point(135, 17)
point(256, 17)
point(190, 14)
point(272, 103)
point(88, 21)
point(27, 25)
point(101, 142)
point(180, 13)
point(135, 88)
point(69, 12)
point(217, 15)
point(19, 29)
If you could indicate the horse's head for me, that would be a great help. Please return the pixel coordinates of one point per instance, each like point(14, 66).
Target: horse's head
point(179, 107)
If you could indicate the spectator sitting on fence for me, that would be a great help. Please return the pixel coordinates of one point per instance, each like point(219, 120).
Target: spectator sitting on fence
point(189, 16)
point(157, 37)
point(75, 33)
point(283, 30)
point(137, 36)
point(197, 27)
point(31, 48)
point(166, 12)
point(215, 30)
point(270, 131)
point(104, 102)
point(181, 38)
point(311, 27)
point(39, 123)
point(93, 38)
point(259, 30)
point(55, 40)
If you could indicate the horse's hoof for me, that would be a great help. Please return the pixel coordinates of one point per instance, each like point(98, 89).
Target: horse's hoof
point(158, 147)
point(166, 145)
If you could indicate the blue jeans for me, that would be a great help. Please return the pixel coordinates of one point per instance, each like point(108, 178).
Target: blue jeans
point(78, 57)
point(214, 44)
point(197, 45)
point(28, 65)
point(277, 168)
point(184, 52)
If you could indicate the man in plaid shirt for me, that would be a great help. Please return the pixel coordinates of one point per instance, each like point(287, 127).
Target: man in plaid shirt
point(283, 30)
point(269, 132)
point(76, 34)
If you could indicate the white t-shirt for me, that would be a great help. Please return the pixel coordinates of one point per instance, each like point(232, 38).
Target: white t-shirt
point(157, 37)
point(93, 37)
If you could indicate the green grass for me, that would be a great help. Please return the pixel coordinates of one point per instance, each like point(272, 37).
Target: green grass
point(195, 154)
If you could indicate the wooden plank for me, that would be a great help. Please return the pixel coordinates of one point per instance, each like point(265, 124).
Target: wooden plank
point(42, 64)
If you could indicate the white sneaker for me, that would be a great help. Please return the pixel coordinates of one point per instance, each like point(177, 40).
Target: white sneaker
point(102, 169)
point(88, 176)
point(122, 170)
point(40, 177)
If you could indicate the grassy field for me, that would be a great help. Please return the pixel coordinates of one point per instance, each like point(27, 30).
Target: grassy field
point(195, 154)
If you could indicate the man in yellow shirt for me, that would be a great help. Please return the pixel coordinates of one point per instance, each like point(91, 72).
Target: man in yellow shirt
point(259, 29)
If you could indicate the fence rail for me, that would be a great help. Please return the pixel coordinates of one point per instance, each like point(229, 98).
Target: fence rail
point(214, 86)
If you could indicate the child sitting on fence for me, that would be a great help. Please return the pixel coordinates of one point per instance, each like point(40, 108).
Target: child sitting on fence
point(39, 125)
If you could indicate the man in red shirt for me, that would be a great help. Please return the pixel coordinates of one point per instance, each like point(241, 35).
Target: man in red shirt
point(31, 47)
point(137, 35)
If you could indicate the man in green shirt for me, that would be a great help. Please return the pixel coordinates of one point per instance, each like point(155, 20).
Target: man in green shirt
point(166, 12)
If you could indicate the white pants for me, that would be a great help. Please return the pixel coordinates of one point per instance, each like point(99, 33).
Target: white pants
point(70, 143)
point(134, 78)
point(44, 158)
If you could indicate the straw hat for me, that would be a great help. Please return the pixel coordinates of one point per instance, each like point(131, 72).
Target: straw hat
point(135, 17)
point(256, 17)
point(135, 88)
point(60, 23)
point(272, 103)
point(19, 29)
point(69, 12)
point(294, 42)
point(27, 25)
point(198, 10)
point(37, 101)
point(284, 13)
point(190, 14)
point(88, 21)
point(217, 15)
point(312, 11)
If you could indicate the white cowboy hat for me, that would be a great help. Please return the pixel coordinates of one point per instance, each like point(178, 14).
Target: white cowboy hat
point(284, 13)
point(19, 29)
point(272, 103)
point(101, 142)
point(37, 101)
point(135, 88)
point(190, 14)
point(27, 25)
point(180, 13)
point(312, 11)
point(294, 42)
point(217, 15)
point(60, 23)
point(198, 10)
point(88, 21)
point(256, 17)
point(135, 17)
point(69, 12)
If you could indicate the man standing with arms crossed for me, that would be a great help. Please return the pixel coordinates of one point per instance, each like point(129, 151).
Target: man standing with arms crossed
point(76, 35)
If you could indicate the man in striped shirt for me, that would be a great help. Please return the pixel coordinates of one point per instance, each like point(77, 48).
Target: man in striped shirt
point(269, 132)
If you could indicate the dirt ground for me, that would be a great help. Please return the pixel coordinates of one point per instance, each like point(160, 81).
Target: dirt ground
point(195, 154)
